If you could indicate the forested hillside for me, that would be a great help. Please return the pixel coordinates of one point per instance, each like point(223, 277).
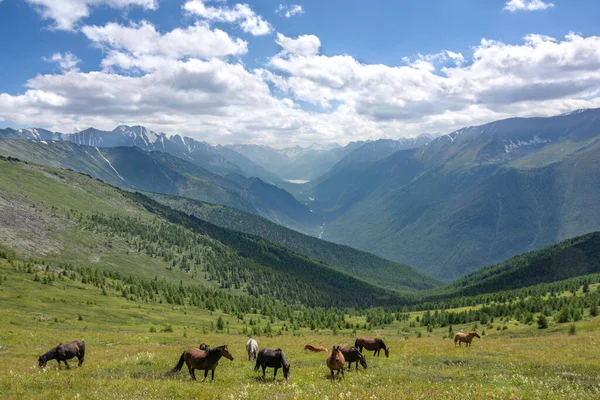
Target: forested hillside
point(345, 259)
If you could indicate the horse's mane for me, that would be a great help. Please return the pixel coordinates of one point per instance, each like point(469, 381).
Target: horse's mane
point(284, 361)
point(383, 346)
point(216, 349)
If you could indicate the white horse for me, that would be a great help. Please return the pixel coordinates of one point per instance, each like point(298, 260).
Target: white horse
point(251, 348)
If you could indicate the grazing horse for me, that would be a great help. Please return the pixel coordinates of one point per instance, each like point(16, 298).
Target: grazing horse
point(273, 359)
point(314, 349)
point(352, 354)
point(251, 348)
point(467, 338)
point(372, 344)
point(204, 346)
point(335, 361)
point(202, 359)
point(64, 352)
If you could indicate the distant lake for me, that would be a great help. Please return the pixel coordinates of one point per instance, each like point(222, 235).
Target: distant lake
point(296, 181)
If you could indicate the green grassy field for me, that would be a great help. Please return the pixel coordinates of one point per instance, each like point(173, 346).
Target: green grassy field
point(125, 359)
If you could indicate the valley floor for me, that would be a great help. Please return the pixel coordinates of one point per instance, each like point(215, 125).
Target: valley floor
point(124, 363)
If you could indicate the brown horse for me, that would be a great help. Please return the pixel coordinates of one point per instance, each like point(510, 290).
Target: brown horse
point(204, 346)
point(352, 354)
point(64, 352)
point(314, 349)
point(467, 338)
point(202, 359)
point(374, 345)
point(335, 361)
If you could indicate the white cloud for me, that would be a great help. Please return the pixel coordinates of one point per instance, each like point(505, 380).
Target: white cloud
point(221, 100)
point(288, 11)
point(66, 13)
point(66, 62)
point(241, 14)
point(304, 45)
point(527, 5)
point(142, 46)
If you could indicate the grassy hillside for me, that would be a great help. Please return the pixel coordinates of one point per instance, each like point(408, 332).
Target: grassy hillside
point(131, 167)
point(364, 265)
point(62, 216)
point(570, 258)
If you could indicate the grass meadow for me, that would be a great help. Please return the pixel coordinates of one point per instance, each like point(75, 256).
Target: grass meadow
point(130, 346)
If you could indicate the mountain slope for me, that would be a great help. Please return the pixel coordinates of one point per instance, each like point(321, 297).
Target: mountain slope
point(134, 168)
point(345, 259)
point(573, 257)
point(475, 197)
point(72, 219)
point(217, 159)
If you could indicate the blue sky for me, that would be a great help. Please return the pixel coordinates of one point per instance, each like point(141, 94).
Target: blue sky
point(227, 71)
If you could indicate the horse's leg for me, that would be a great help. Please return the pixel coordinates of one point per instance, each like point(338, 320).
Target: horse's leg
point(80, 358)
point(275, 373)
point(212, 375)
point(332, 377)
point(342, 372)
point(67, 364)
point(264, 367)
point(205, 374)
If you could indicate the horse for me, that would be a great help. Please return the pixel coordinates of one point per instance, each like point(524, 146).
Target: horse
point(335, 361)
point(372, 344)
point(467, 338)
point(273, 359)
point(251, 348)
point(352, 354)
point(202, 359)
point(64, 352)
point(204, 346)
point(314, 349)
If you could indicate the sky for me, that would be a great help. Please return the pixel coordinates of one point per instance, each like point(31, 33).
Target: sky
point(284, 73)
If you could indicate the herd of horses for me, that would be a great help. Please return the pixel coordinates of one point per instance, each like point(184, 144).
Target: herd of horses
point(207, 359)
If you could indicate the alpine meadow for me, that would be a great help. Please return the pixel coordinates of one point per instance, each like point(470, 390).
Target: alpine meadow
point(212, 199)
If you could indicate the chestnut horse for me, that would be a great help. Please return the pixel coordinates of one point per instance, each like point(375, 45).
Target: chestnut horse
point(202, 359)
point(64, 352)
point(335, 361)
point(467, 338)
point(374, 345)
point(314, 349)
point(352, 354)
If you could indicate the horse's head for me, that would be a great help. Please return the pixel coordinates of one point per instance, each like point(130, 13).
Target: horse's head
point(204, 346)
point(41, 362)
point(476, 335)
point(226, 353)
point(286, 371)
point(363, 361)
point(387, 352)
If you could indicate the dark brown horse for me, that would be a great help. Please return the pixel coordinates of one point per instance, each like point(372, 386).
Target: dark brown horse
point(64, 352)
point(352, 354)
point(335, 361)
point(206, 360)
point(467, 338)
point(374, 345)
point(273, 359)
point(204, 346)
point(314, 349)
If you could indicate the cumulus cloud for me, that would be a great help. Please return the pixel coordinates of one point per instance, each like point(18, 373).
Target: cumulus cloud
point(527, 5)
point(66, 62)
point(288, 11)
point(66, 13)
point(304, 45)
point(241, 14)
point(141, 45)
point(220, 100)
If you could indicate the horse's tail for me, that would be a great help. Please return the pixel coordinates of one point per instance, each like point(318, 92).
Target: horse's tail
point(257, 366)
point(179, 365)
point(356, 344)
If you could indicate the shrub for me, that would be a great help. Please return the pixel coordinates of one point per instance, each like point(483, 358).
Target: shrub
point(542, 322)
point(572, 330)
point(167, 328)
